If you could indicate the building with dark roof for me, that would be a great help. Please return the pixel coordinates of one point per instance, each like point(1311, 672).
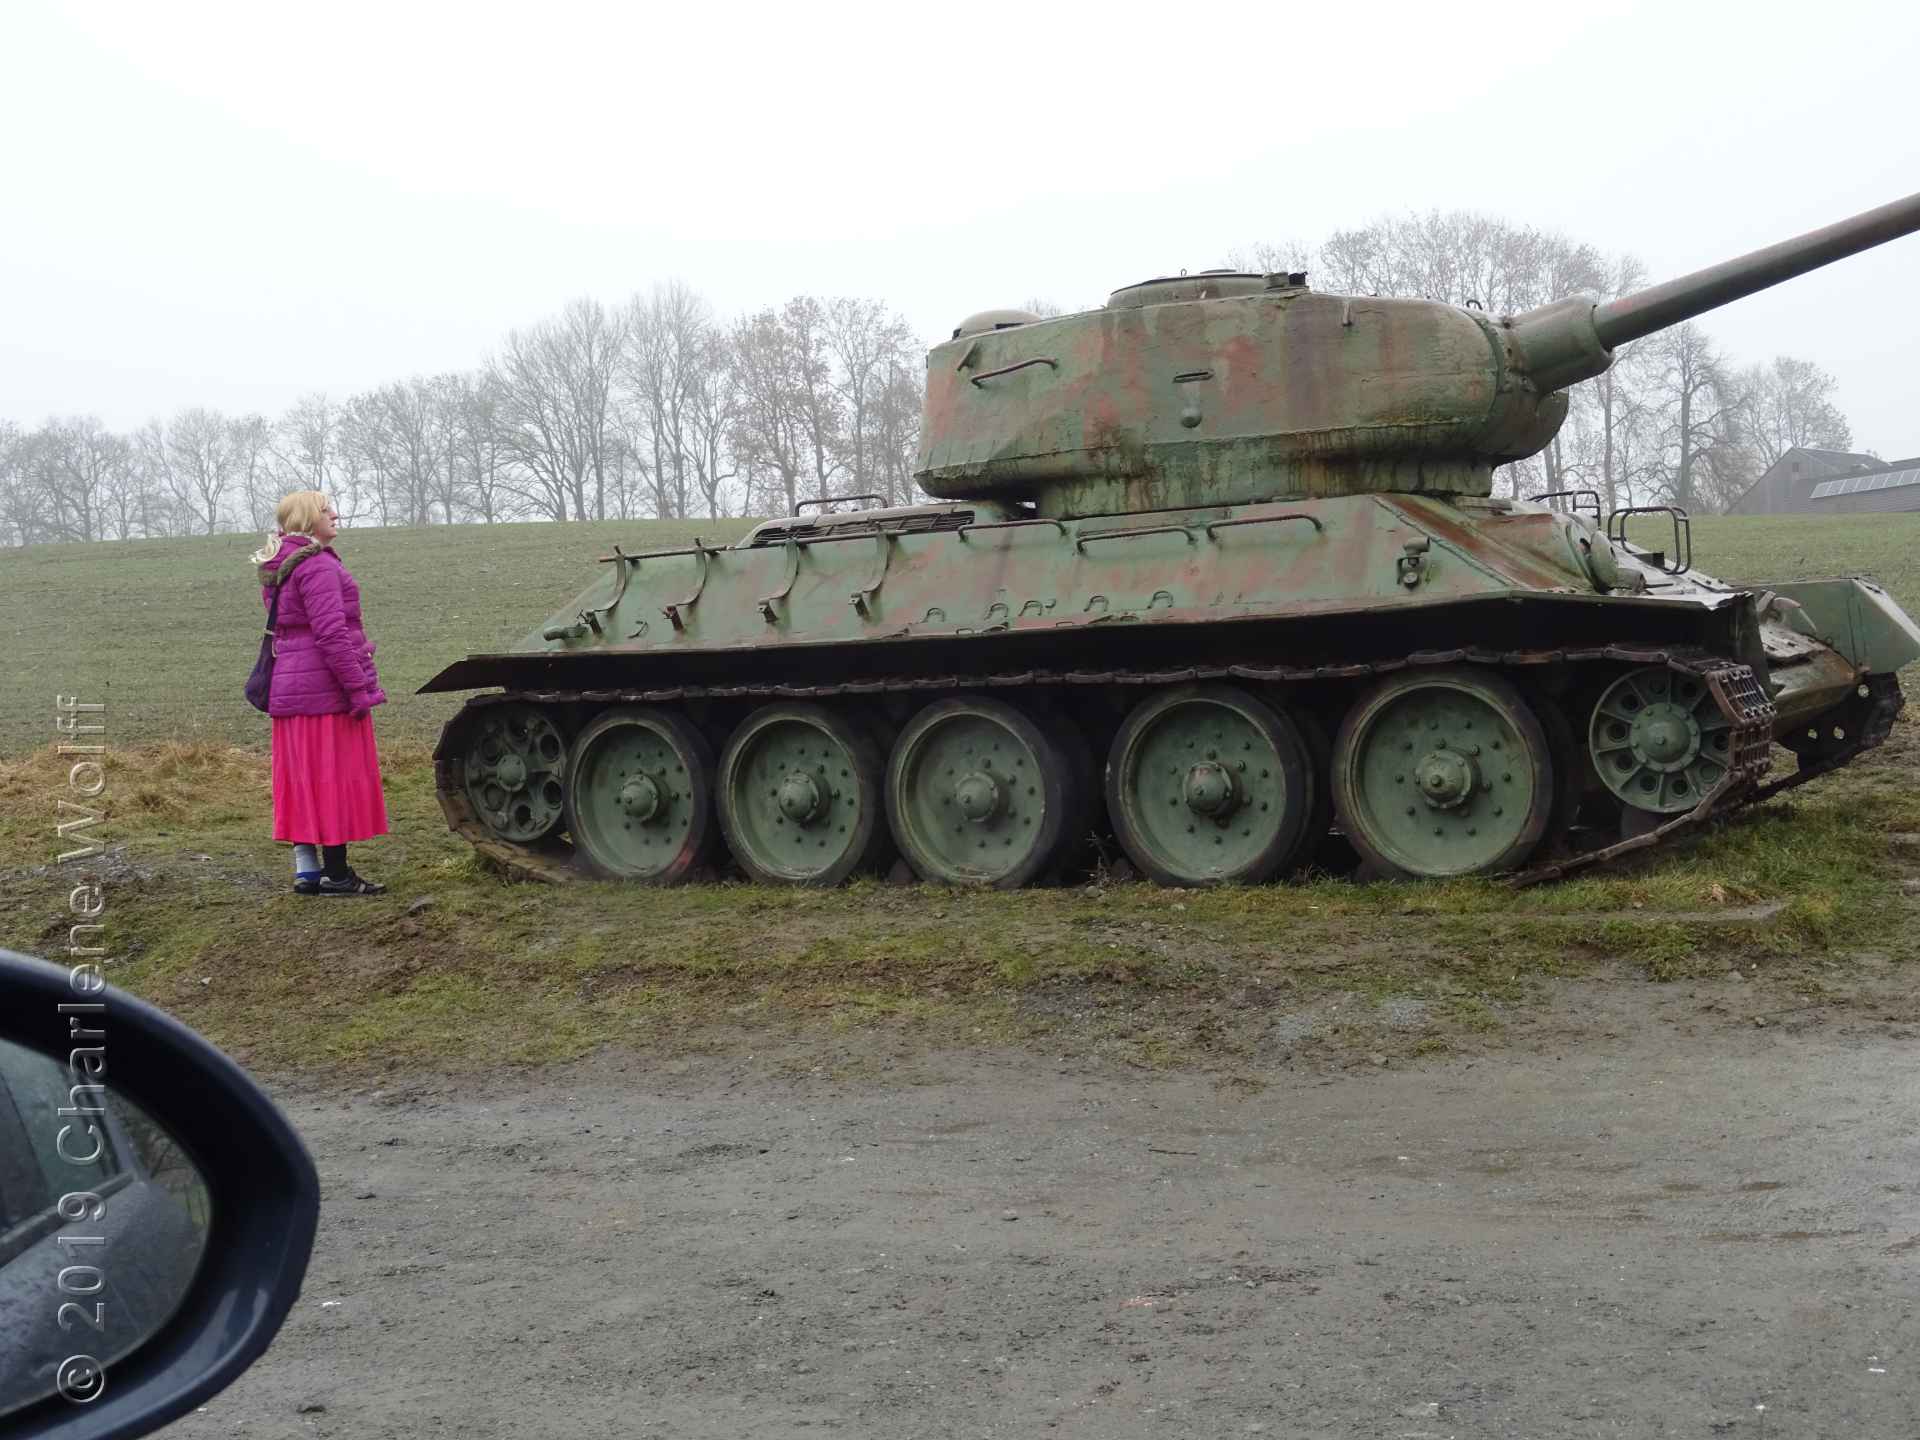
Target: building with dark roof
point(1888, 489)
point(1787, 486)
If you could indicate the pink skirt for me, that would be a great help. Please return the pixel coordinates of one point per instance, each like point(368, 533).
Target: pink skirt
point(326, 780)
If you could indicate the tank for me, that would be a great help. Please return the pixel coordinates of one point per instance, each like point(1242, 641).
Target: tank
point(1211, 578)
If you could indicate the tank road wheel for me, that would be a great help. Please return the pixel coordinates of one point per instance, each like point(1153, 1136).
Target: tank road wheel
point(802, 795)
point(980, 794)
point(641, 803)
point(515, 768)
point(1208, 785)
point(1443, 772)
point(1659, 742)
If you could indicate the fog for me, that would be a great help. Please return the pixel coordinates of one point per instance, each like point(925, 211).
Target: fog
point(233, 205)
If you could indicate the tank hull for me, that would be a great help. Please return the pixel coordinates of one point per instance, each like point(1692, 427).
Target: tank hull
point(1310, 606)
point(1362, 568)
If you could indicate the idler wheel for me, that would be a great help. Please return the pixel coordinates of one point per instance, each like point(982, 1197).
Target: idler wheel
point(1659, 740)
point(1210, 785)
point(802, 793)
point(514, 771)
point(1443, 772)
point(641, 803)
point(980, 793)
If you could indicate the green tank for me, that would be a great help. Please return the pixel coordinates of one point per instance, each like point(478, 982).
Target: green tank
point(1212, 577)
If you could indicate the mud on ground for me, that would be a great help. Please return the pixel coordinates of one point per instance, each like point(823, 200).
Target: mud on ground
point(1646, 1216)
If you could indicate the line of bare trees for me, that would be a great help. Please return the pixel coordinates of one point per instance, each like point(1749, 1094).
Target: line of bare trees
point(655, 408)
point(1675, 421)
point(658, 408)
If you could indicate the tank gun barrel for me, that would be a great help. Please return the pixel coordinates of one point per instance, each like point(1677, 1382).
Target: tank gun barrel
point(1660, 306)
point(1574, 339)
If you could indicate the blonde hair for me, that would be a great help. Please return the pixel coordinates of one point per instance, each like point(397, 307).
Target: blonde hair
point(295, 515)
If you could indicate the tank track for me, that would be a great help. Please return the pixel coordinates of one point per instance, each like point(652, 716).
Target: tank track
point(1741, 697)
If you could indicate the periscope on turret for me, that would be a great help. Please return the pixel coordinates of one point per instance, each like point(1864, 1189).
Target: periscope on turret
point(1215, 570)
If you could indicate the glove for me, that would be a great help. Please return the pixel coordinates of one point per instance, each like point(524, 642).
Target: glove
point(358, 704)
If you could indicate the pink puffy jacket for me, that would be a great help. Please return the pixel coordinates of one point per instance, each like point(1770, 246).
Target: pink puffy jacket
point(323, 661)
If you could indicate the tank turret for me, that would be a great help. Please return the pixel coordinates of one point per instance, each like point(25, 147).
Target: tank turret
point(1228, 387)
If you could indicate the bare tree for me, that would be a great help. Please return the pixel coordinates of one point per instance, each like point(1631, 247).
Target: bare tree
point(76, 464)
point(364, 453)
point(631, 493)
point(1696, 408)
point(405, 425)
point(822, 415)
point(896, 430)
point(556, 383)
point(1790, 403)
point(712, 406)
point(305, 444)
point(1463, 258)
point(446, 395)
point(312, 450)
point(790, 432)
point(200, 467)
point(666, 345)
point(22, 512)
point(250, 441)
point(482, 448)
point(770, 428)
point(123, 507)
point(155, 495)
point(866, 342)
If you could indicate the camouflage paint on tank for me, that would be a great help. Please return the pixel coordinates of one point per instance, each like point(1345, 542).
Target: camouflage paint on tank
point(1192, 566)
point(1281, 394)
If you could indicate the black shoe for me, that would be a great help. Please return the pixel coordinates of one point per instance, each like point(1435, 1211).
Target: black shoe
point(351, 885)
point(306, 885)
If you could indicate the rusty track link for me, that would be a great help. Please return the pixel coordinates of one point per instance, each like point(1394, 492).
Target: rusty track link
point(1734, 687)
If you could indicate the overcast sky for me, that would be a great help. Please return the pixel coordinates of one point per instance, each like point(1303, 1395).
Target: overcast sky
point(235, 204)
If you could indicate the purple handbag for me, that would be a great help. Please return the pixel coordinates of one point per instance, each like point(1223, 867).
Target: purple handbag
point(260, 683)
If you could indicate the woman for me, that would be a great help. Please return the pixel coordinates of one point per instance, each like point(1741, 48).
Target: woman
point(326, 772)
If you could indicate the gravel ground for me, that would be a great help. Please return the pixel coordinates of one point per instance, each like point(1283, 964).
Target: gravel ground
point(1648, 1221)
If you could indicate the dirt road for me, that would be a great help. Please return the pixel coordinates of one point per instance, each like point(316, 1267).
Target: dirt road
point(1653, 1227)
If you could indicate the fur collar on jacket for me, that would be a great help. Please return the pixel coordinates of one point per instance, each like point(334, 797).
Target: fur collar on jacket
point(276, 574)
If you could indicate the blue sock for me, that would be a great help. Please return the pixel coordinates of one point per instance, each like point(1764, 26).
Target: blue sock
point(306, 862)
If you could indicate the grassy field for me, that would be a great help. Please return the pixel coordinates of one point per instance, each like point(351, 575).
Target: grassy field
point(165, 631)
point(458, 968)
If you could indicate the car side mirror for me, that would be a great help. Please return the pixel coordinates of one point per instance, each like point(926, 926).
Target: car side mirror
point(156, 1211)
